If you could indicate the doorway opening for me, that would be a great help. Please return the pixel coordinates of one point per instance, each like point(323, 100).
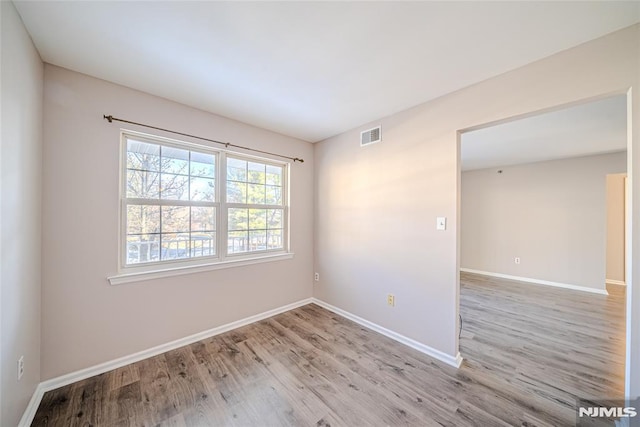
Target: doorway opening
point(533, 211)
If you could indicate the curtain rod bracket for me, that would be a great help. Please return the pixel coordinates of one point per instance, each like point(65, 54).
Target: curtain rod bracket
point(109, 118)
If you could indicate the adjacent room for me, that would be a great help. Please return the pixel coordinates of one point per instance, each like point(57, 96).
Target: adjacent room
point(543, 248)
point(297, 213)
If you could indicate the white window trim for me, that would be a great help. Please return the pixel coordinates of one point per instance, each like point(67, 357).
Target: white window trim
point(160, 273)
point(168, 268)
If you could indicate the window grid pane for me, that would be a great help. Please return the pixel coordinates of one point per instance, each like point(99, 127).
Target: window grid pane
point(264, 227)
point(253, 183)
point(160, 233)
point(143, 184)
point(174, 246)
point(250, 229)
point(143, 248)
point(169, 173)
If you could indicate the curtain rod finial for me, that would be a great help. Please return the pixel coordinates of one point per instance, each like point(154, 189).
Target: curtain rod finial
point(298, 160)
point(109, 118)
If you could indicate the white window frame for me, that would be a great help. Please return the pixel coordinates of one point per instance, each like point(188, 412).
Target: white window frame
point(167, 268)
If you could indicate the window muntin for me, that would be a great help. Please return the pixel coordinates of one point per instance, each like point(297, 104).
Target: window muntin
point(252, 230)
point(255, 216)
point(172, 205)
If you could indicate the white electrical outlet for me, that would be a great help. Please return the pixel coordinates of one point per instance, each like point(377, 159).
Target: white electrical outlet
point(517, 260)
point(20, 367)
point(316, 277)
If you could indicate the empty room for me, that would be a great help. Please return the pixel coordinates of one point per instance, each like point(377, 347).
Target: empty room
point(319, 213)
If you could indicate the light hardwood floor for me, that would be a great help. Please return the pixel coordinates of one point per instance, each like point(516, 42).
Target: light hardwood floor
point(529, 352)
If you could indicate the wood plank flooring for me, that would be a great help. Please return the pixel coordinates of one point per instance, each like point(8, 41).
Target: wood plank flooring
point(529, 352)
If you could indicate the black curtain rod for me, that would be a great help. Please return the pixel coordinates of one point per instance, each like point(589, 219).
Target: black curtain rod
point(111, 119)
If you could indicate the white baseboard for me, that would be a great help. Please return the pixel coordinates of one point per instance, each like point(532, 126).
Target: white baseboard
point(61, 381)
point(52, 384)
point(615, 282)
point(537, 281)
point(32, 407)
point(429, 351)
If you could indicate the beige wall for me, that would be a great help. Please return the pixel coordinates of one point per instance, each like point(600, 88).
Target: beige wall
point(615, 227)
point(87, 321)
point(552, 215)
point(376, 207)
point(20, 213)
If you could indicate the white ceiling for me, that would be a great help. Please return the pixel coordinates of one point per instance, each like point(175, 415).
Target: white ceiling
point(309, 69)
point(593, 128)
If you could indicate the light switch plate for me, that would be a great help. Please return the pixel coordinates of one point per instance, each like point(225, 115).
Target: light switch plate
point(441, 223)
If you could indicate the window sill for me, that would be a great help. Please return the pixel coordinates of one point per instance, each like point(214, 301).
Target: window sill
point(177, 271)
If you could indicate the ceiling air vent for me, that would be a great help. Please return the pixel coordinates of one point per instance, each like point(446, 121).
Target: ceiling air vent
point(370, 136)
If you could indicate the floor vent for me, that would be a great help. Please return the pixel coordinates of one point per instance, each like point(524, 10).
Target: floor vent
point(370, 136)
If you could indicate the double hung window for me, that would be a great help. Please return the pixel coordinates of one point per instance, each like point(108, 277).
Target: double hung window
point(186, 204)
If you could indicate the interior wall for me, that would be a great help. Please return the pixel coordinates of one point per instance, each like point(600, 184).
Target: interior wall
point(552, 215)
point(615, 227)
point(86, 320)
point(20, 213)
point(376, 206)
